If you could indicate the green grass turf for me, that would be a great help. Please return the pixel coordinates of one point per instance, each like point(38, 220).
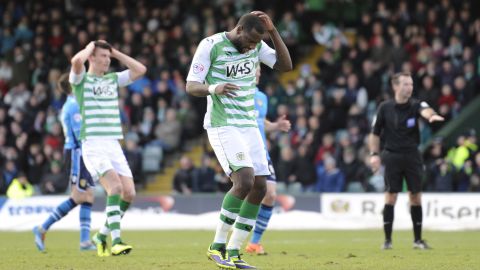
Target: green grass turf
point(286, 250)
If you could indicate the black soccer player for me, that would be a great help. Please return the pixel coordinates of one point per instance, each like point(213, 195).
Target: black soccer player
point(397, 123)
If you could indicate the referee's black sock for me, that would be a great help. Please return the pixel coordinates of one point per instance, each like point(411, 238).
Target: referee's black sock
point(388, 221)
point(416, 212)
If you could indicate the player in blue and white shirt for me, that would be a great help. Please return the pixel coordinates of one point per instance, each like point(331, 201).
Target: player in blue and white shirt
point(265, 212)
point(81, 182)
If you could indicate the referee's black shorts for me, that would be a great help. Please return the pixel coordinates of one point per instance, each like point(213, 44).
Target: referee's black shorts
point(399, 166)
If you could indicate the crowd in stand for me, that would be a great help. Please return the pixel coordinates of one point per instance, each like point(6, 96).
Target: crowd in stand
point(438, 41)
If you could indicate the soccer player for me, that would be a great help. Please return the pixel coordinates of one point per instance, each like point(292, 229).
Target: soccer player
point(81, 181)
point(223, 69)
point(266, 208)
point(97, 94)
point(397, 122)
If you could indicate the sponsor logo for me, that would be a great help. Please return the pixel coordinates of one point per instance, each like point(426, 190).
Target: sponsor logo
point(240, 69)
point(340, 206)
point(30, 210)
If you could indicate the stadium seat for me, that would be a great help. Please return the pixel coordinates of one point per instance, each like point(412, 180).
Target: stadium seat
point(152, 156)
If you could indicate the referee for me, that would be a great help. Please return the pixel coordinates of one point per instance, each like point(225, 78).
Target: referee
point(397, 123)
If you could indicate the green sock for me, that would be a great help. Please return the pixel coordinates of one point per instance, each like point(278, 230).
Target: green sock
point(113, 217)
point(244, 224)
point(230, 209)
point(103, 232)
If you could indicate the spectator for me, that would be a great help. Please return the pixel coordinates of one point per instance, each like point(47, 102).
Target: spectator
point(352, 170)
point(54, 182)
point(325, 33)
point(133, 154)
point(305, 172)
point(204, 177)
point(330, 179)
point(183, 179)
point(20, 188)
point(443, 177)
point(168, 133)
point(286, 166)
point(375, 182)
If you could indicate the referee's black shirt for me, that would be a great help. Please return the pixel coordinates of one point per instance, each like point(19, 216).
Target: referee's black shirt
point(397, 125)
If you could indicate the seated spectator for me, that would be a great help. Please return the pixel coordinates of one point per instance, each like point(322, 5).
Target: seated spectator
point(331, 179)
point(324, 33)
point(183, 179)
point(133, 154)
point(443, 177)
point(224, 183)
point(353, 170)
point(375, 182)
point(168, 133)
point(286, 166)
point(9, 171)
point(304, 168)
point(204, 177)
point(54, 182)
point(20, 188)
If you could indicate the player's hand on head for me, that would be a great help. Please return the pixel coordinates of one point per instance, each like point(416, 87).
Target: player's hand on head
point(90, 45)
point(436, 118)
point(265, 19)
point(227, 89)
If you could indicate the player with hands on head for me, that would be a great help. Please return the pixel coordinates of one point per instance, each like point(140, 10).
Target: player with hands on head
point(223, 70)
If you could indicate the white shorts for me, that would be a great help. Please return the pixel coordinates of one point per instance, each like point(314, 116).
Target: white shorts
point(238, 148)
point(100, 156)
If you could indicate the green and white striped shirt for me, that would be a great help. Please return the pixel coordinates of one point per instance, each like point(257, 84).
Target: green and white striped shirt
point(217, 61)
point(98, 101)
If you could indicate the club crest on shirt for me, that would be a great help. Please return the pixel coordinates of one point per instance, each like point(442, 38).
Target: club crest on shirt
point(240, 156)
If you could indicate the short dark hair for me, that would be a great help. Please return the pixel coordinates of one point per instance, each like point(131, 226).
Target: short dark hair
point(250, 22)
point(64, 85)
point(396, 77)
point(103, 45)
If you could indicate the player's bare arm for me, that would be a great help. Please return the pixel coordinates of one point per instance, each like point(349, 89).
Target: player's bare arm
point(282, 124)
point(136, 68)
point(202, 90)
point(431, 115)
point(284, 62)
point(79, 59)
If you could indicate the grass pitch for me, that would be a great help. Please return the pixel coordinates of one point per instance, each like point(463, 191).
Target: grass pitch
point(289, 250)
